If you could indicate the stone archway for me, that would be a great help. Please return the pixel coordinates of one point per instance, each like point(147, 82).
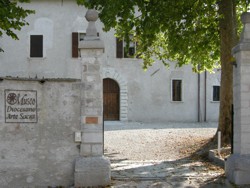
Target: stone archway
point(113, 74)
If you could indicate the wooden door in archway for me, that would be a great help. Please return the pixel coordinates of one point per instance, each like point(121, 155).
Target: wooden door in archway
point(111, 100)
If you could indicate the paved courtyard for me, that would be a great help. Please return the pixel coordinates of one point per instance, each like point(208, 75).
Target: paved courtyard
point(158, 155)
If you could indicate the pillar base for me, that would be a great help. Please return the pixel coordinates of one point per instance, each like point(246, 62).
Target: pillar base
point(237, 169)
point(92, 171)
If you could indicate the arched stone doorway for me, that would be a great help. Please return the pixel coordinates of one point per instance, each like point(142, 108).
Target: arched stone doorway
point(111, 100)
point(111, 73)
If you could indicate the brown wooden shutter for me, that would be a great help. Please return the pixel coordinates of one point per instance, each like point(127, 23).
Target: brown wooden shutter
point(119, 48)
point(75, 45)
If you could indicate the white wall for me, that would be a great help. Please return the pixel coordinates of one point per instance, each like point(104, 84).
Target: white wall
point(41, 153)
point(56, 21)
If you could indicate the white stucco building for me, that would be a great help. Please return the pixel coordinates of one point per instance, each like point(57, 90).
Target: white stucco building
point(157, 95)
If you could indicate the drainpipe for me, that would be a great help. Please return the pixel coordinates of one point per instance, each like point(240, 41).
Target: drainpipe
point(232, 129)
point(199, 96)
point(205, 97)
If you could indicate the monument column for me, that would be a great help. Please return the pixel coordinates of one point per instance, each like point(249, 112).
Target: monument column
point(237, 166)
point(91, 168)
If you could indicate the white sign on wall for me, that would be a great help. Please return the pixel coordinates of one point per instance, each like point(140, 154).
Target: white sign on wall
point(20, 106)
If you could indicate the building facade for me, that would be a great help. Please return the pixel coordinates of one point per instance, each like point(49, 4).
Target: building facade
point(48, 49)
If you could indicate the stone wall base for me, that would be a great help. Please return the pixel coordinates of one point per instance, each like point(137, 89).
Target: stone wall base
point(237, 169)
point(92, 172)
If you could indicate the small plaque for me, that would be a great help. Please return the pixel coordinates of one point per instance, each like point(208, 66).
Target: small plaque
point(20, 106)
point(91, 120)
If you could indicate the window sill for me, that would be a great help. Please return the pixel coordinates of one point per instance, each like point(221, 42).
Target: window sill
point(128, 59)
point(36, 58)
point(177, 101)
point(214, 101)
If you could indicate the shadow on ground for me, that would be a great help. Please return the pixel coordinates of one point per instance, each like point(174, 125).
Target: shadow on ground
point(191, 170)
point(181, 173)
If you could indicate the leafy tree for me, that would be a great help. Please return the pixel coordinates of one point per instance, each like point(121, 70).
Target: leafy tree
point(200, 33)
point(12, 17)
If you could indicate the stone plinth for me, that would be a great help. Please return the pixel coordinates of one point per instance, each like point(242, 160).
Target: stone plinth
point(92, 172)
point(237, 166)
point(238, 169)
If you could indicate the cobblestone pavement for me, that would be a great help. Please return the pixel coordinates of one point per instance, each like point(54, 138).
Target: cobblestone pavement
point(147, 155)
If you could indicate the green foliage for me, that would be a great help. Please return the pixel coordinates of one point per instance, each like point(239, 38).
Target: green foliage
point(12, 17)
point(184, 31)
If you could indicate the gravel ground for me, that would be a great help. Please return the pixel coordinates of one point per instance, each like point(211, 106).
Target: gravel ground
point(158, 155)
point(137, 141)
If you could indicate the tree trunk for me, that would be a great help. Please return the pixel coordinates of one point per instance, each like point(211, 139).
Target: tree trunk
point(228, 39)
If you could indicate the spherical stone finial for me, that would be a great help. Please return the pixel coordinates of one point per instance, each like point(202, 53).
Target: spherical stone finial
point(91, 15)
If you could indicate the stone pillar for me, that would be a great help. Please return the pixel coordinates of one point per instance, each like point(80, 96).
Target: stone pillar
point(92, 168)
point(237, 166)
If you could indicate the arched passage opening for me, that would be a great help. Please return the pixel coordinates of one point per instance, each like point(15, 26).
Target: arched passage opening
point(111, 100)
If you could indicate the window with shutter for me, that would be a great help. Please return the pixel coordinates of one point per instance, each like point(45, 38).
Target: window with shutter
point(125, 51)
point(129, 50)
point(76, 38)
point(36, 45)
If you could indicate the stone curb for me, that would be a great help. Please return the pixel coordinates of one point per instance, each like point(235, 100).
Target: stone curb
point(212, 155)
